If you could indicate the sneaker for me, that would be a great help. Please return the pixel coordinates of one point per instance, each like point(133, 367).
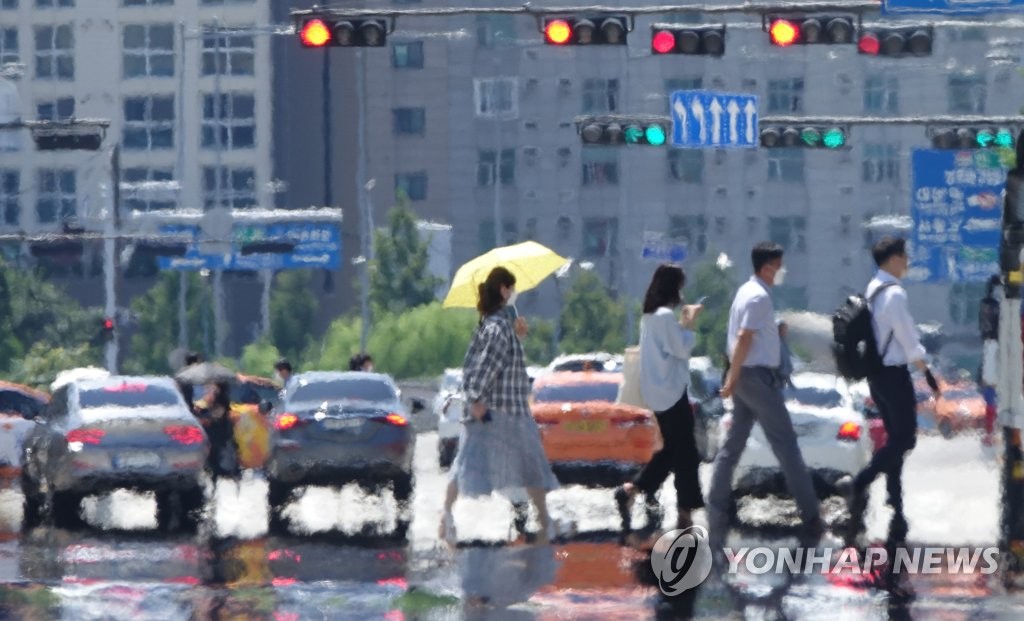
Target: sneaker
point(856, 504)
point(624, 503)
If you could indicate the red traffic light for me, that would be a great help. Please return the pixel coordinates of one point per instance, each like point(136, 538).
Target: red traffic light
point(108, 324)
point(869, 43)
point(663, 41)
point(784, 32)
point(315, 33)
point(558, 31)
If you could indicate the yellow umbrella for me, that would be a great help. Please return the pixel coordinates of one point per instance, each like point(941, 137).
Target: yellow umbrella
point(529, 262)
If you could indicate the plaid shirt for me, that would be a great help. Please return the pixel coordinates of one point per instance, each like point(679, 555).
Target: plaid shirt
point(495, 368)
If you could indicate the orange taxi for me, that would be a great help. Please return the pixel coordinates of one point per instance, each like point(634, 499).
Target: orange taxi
point(960, 408)
point(588, 438)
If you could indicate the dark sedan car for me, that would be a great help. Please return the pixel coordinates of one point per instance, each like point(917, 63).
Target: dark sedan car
point(338, 428)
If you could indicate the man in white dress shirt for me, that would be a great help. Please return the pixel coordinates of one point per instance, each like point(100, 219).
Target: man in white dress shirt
point(891, 387)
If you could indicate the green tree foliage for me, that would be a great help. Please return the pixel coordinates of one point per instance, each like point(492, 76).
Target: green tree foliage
point(591, 319)
point(539, 345)
point(292, 312)
point(399, 279)
point(421, 342)
point(39, 367)
point(719, 286)
point(258, 358)
point(157, 312)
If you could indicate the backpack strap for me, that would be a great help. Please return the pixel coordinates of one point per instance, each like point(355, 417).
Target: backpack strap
point(892, 333)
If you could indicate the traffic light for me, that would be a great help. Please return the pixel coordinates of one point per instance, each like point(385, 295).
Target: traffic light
point(693, 40)
point(812, 30)
point(590, 30)
point(323, 31)
point(908, 41)
point(809, 137)
point(598, 132)
point(106, 329)
point(972, 137)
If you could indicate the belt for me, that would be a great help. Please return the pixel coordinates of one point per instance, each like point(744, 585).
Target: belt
point(763, 368)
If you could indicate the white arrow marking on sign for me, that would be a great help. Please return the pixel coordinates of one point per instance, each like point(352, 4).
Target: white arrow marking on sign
point(698, 113)
point(734, 113)
point(750, 110)
point(716, 121)
point(681, 111)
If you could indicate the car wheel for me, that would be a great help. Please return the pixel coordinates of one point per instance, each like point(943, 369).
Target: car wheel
point(402, 488)
point(946, 429)
point(446, 455)
point(278, 497)
point(66, 510)
point(34, 504)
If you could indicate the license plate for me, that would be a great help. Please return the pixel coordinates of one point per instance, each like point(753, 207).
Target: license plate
point(805, 429)
point(585, 426)
point(336, 424)
point(142, 459)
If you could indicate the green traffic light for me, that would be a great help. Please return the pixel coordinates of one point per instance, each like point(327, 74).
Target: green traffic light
point(811, 137)
point(1004, 138)
point(655, 135)
point(834, 138)
point(985, 138)
point(634, 134)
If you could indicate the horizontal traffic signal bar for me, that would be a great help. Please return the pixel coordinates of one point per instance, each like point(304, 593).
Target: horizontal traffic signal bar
point(587, 30)
point(810, 30)
point(687, 39)
point(903, 41)
point(974, 137)
point(805, 136)
point(616, 130)
point(323, 30)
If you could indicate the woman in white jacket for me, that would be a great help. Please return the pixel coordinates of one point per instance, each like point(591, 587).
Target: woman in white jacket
point(665, 345)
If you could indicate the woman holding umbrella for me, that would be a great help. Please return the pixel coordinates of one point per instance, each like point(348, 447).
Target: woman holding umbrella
point(500, 446)
point(214, 413)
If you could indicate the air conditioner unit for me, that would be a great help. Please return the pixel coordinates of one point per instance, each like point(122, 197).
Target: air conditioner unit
point(530, 125)
point(722, 191)
point(564, 83)
point(530, 151)
point(532, 83)
point(530, 195)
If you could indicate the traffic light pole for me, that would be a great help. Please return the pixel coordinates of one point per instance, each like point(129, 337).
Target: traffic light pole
point(111, 267)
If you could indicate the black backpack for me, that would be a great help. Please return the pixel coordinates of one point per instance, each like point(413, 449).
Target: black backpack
point(853, 338)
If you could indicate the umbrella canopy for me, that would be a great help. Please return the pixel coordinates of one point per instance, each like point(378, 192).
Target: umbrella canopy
point(205, 373)
point(529, 262)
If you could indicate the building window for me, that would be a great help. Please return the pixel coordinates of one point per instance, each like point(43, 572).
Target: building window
point(410, 121)
point(691, 229)
point(786, 95)
point(54, 4)
point(149, 122)
point(8, 4)
point(225, 53)
point(789, 232)
point(9, 46)
point(10, 196)
point(683, 84)
point(600, 167)
point(600, 237)
point(496, 97)
point(230, 121)
point(600, 96)
point(881, 163)
point(55, 52)
point(881, 94)
point(229, 186)
point(967, 94)
point(56, 110)
point(56, 196)
point(148, 50)
point(485, 234)
point(495, 30)
point(786, 165)
point(223, 2)
point(686, 165)
point(407, 55)
point(485, 167)
point(146, 2)
point(148, 189)
point(412, 185)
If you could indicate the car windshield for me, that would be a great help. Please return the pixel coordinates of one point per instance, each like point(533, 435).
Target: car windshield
point(343, 390)
point(578, 393)
point(128, 395)
point(814, 396)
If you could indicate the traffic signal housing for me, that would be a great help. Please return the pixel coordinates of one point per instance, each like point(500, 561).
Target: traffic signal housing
point(106, 330)
point(587, 30)
point(810, 30)
point(978, 137)
point(896, 42)
point(603, 132)
point(685, 39)
point(326, 31)
point(808, 137)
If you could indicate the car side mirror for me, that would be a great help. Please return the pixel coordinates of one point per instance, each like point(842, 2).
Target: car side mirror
point(266, 407)
point(417, 405)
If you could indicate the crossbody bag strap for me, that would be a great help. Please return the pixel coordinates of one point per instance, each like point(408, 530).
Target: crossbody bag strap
point(892, 333)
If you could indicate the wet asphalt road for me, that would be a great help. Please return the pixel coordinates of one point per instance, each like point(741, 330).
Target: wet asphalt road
point(340, 563)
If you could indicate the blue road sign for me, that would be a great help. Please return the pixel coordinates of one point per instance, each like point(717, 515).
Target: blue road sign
point(657, 248)
point(951, 7)
point(710, 119)
point(956, 209)
point(317, 245)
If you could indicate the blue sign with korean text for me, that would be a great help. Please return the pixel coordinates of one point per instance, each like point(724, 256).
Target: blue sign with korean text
point(657, 248)
point(317, 245)
point(956, 209)
point(951, 7)
point(712, 119)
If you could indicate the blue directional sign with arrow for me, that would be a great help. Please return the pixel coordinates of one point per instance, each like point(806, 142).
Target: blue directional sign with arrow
point(702, 119)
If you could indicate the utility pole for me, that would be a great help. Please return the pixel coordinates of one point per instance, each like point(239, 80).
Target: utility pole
point(363, 187)
point(180, 176)
point(111, 260)
point(218, 274)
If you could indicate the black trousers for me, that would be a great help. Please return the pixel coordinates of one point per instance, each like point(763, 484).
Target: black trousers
point(893, 392)
point(678, 455)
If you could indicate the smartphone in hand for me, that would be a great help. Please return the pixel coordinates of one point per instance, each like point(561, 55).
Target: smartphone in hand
point(701, 301)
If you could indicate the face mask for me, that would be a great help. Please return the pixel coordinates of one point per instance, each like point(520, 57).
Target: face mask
point(512, 297)
point(277, 377)
point(780, 276)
